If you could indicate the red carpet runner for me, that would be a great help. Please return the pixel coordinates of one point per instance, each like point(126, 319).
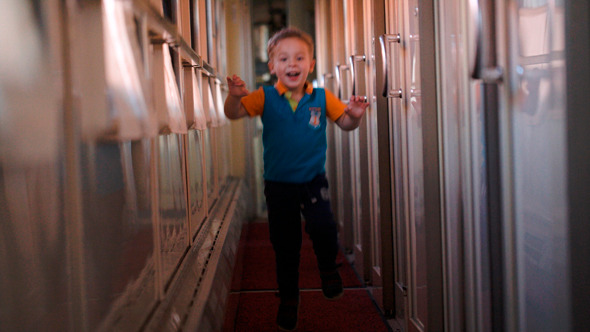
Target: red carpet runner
point(252, 304)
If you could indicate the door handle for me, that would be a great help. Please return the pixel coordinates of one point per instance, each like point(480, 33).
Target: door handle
point(338, 79)
point(328, 76)
point(385, 40)
point(475, 38)
point(353, 60)
point(480, 65)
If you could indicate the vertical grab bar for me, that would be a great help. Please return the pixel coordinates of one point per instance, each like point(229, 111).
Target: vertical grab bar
point(328, 81)
point(338, 79)
point(385, 40)
point(327, 76)
point(475, 39)
point(482, 63)
point(354, 59)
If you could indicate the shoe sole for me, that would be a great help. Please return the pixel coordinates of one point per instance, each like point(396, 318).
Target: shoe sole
point(284, 329)
point(334, 298)
point(293, 329)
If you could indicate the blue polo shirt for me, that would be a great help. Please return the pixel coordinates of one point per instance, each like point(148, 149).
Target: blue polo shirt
point(294, 141)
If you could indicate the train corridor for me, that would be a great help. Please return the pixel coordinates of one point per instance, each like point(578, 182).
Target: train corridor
point(252, 303)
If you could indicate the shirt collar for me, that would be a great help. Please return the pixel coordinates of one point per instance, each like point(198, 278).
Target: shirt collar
point(281, 88)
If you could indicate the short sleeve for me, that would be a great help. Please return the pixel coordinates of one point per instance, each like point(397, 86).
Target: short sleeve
point(254, 102)
point(334, 107)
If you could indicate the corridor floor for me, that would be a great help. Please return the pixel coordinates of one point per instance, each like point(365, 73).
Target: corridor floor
point(252, 304)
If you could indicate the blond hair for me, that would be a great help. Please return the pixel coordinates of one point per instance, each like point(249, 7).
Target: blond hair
point(288, 33)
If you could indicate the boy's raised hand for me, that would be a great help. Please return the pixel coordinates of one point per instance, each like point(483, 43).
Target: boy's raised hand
point(357, 106)
point(353, 113)
point(236, 86)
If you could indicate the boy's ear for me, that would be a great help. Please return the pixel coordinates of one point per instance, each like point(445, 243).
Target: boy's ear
point(271, 67)
point(312, 65)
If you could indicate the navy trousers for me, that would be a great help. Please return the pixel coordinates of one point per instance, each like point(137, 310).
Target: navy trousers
point(286, 202)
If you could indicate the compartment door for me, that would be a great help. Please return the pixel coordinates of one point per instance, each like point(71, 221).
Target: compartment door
point(401, 44)
point(415, 218)
point(392, 45)
point(533, 118)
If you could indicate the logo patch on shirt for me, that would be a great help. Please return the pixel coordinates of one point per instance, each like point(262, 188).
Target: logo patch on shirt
point(314, 119)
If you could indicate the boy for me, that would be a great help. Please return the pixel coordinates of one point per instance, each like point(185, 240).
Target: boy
point(294, 115)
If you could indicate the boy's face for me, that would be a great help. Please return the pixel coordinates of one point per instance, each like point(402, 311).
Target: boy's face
point(291, 61)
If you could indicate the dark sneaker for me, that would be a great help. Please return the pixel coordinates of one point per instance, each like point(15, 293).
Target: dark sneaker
point(287, 315)
point(331, 285)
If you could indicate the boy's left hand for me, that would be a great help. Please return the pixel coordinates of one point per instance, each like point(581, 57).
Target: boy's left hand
point(357, 106)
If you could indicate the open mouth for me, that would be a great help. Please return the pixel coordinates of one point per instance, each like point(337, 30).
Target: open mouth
point(293, 75)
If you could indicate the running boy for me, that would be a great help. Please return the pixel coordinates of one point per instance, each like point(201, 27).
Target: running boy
point(294, 116)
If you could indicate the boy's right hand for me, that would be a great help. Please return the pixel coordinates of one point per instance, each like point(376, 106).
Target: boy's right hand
point(237, 87)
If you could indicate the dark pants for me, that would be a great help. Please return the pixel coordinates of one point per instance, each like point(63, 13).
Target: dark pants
point(285, 203)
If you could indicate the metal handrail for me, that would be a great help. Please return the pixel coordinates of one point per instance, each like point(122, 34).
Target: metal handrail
point(162, 30)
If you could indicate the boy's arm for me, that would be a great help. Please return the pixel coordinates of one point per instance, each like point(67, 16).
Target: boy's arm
point(353, 114)
point(233, 107)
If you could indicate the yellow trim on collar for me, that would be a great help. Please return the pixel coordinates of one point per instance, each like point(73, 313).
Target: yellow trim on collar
point(281, 88)
point(292, 102)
